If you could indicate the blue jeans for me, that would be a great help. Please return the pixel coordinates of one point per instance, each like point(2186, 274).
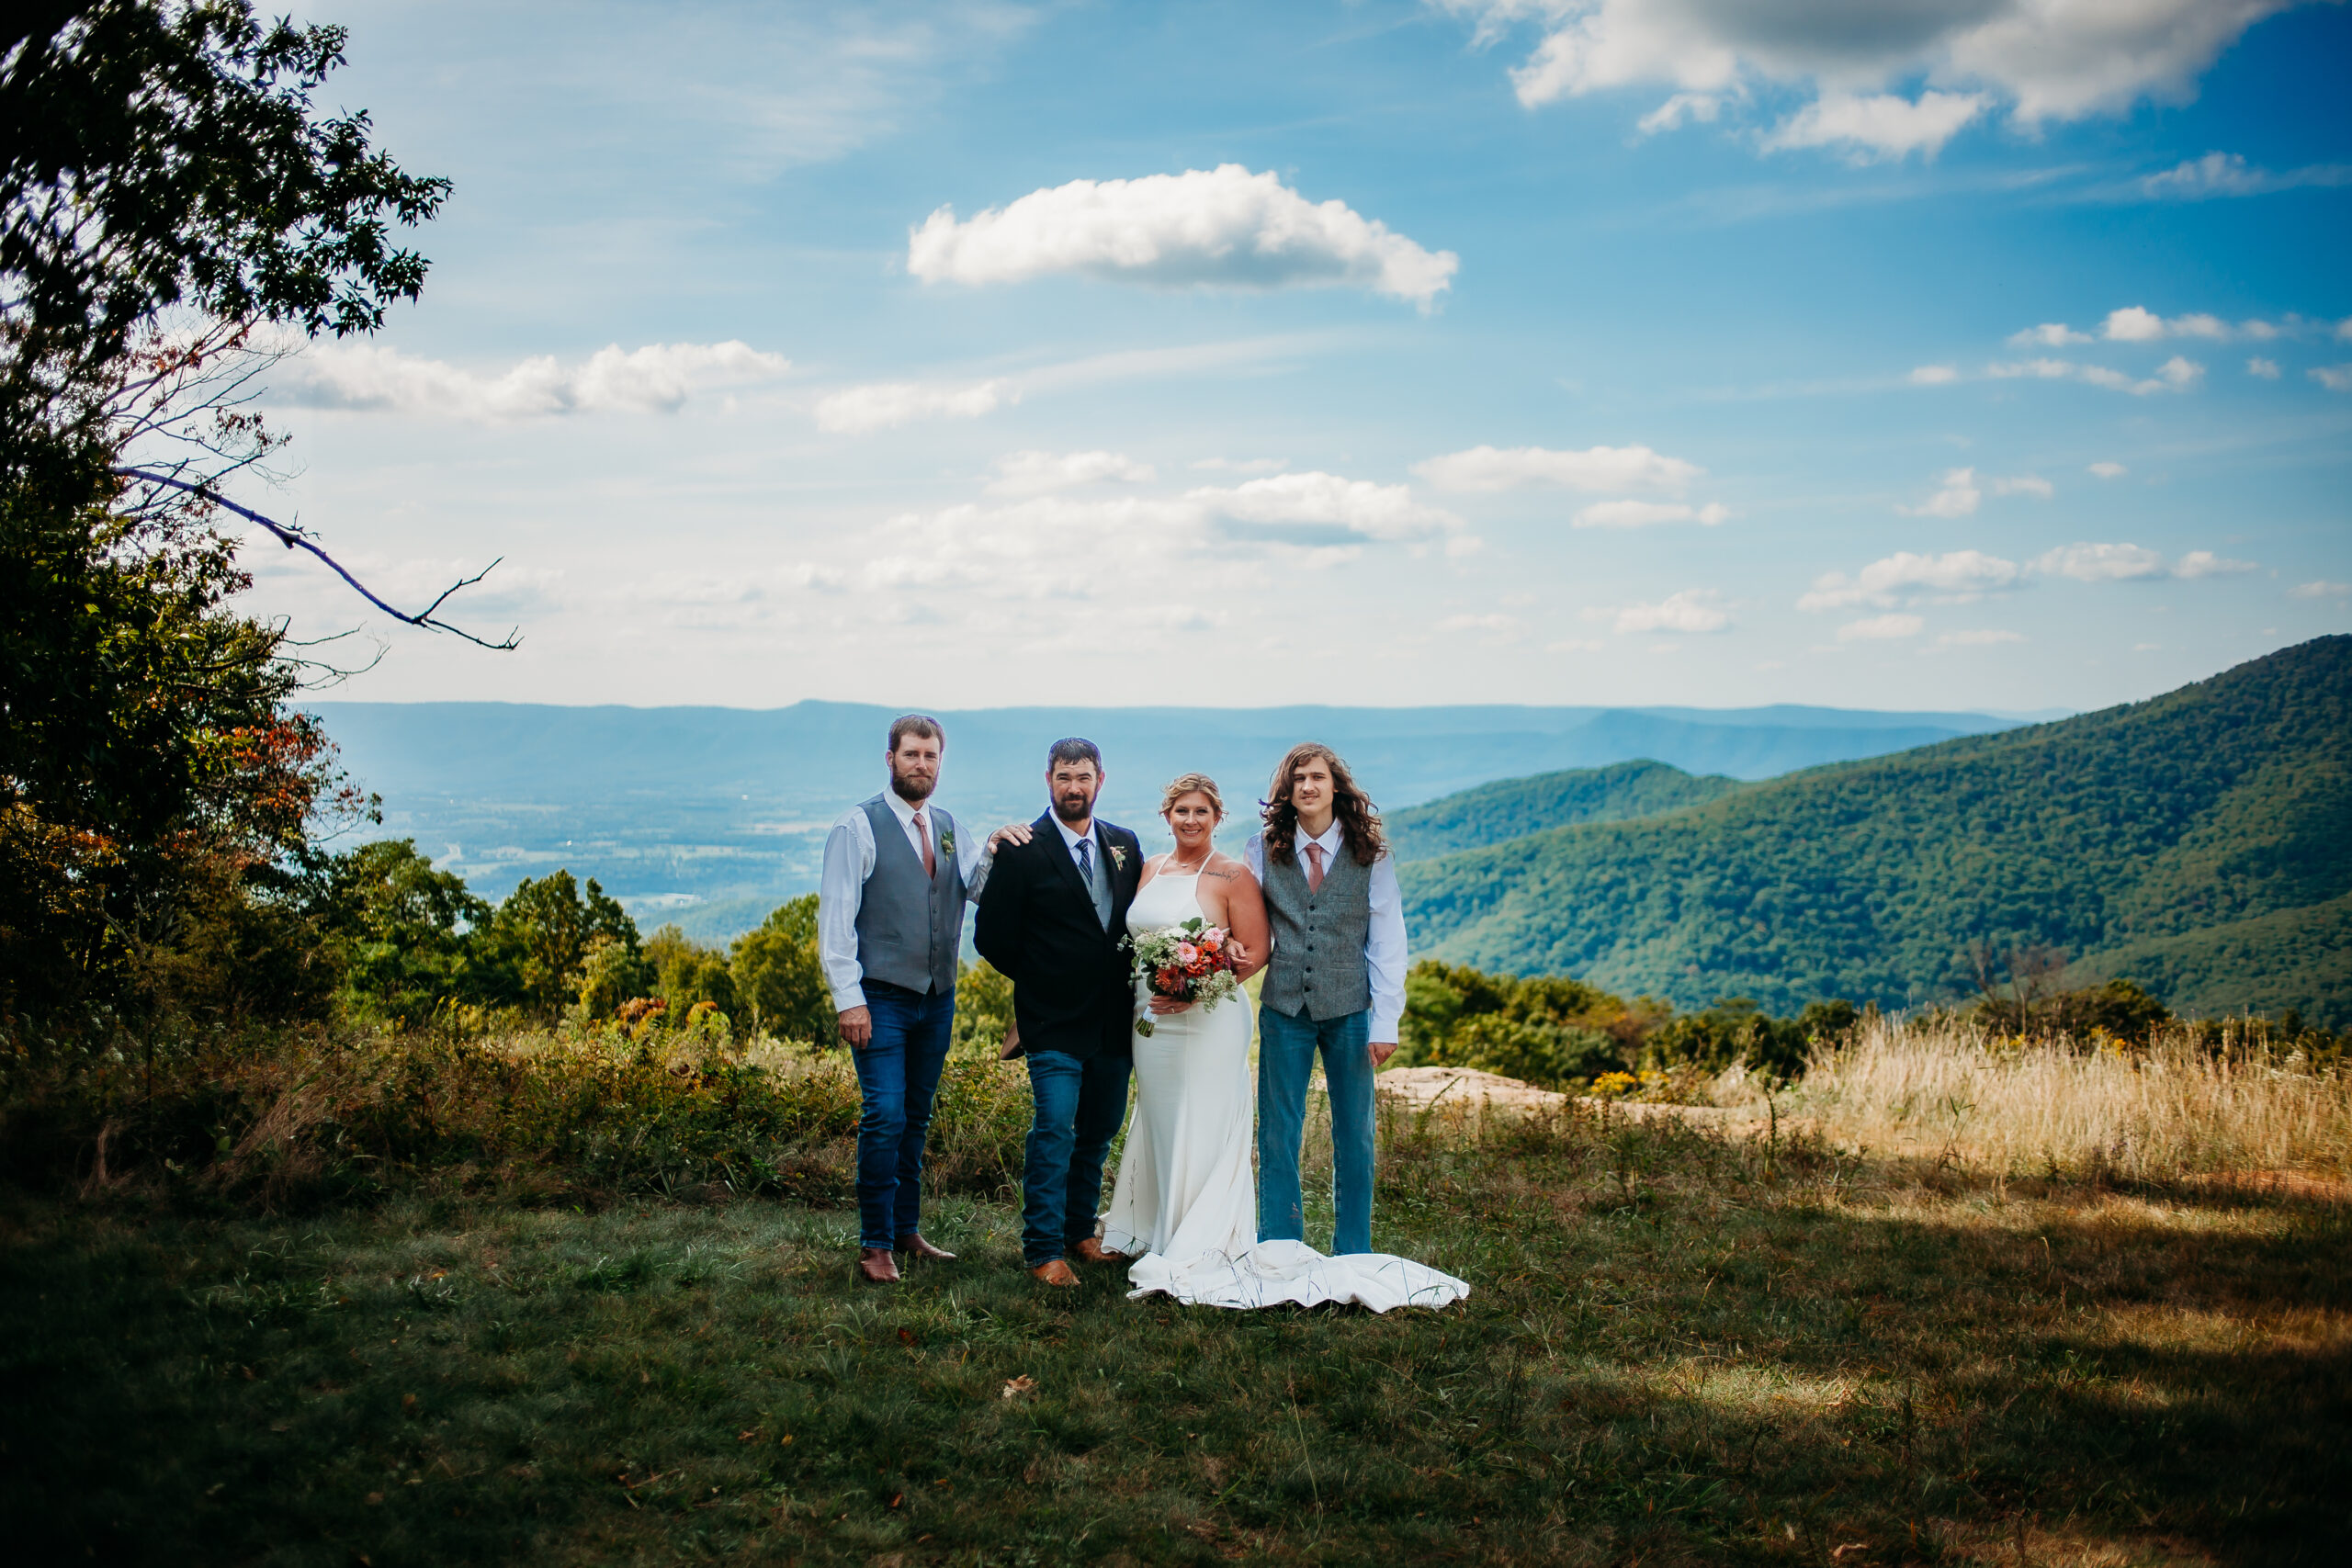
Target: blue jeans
point(897, 1072)
point(1079, 1105)
point(1287, 1048)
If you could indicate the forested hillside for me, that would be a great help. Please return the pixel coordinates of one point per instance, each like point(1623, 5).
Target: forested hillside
point(2201, 842)
point(1510, 807)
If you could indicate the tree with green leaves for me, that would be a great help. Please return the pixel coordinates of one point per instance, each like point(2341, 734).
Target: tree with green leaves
point(779, 982)
point(404, 933)
point(544, 935)
point(175, 209)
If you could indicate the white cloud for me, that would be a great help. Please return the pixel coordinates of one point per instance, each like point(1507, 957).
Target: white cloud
point(2175, 375)
point(1037, 473)
point(2049, 334)
point(1960, 575)
point(2134, 324)
point(2334, 377)
point(2127, 563)
point(1648, 513)
point(1319, 508)
point(1957, 499)
point(857, 411)
point(1934, 376)
point(1978, 638)
point(1595, 469)
point(2205, 563)
point(2266, 368)
point(1243, 465)
point(1692, 610)
point(2025, 484)
point(1881, 628)
point(1878, 125)
point(2108, 471)
point(657, 379)
point(1700, 108)
point(1222, 227)
point(2047, 59)
point(2229, 175)
point(2101, 563)
point(1083, 553)
point(2323, 588)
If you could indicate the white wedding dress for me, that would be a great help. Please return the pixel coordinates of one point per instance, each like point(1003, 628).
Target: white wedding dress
point(1185, 1206)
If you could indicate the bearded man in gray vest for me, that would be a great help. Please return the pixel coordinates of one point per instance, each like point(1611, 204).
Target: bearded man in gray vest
point(889, 929)
point(1335, 985)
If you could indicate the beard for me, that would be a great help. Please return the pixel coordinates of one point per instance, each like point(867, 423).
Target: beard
point(1073, 808)
point(914, 792)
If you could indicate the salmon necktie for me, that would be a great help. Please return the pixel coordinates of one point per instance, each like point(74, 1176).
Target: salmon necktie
point(1314, 868)
point(930, 860)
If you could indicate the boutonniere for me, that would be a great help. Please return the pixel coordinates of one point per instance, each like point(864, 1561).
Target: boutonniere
point(947, 843)
point(1119, 856)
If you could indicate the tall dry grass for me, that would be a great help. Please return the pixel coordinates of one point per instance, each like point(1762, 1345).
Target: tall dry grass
point(2179, 1106)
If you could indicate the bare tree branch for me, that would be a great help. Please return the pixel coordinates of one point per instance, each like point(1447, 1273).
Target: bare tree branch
point(293, 539)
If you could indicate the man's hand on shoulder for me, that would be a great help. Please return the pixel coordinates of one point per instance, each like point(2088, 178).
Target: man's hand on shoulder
point(1010, 833)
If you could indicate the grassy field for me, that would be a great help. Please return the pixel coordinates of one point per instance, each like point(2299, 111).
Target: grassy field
point(1681, 1346)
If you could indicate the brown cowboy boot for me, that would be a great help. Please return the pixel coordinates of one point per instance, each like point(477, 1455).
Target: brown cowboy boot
point(878, 1267)
point(1056, 1273)
point(1092, 1251)
point(913, 1245)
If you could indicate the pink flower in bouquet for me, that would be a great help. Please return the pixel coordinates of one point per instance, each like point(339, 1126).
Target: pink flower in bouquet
point(1187, 954)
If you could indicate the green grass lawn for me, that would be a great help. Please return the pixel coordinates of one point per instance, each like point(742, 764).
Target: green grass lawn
point(1671, 1354)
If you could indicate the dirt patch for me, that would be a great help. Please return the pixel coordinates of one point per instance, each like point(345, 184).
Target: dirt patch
point(1420, 1088)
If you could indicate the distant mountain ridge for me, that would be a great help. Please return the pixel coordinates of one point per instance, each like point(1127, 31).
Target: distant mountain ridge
point(1509, 808)
point(2201, 841)
point(712, 816)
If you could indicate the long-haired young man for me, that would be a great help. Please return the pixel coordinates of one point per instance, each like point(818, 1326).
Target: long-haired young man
point(1336, 985)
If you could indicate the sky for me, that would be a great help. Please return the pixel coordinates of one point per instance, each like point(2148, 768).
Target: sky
point(1912, 354)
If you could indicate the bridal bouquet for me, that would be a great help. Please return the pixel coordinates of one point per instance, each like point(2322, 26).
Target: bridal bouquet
point(1191, 963)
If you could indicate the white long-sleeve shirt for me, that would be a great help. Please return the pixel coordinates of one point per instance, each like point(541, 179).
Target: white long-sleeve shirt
point(841, 888)
point(1384, 944)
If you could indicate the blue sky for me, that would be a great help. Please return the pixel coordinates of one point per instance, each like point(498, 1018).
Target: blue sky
point(1948, 353)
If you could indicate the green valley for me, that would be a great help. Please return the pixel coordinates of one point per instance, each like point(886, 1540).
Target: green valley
point(2199, 842)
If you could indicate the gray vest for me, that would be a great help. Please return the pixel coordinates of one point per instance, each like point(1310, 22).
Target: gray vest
point(911, 928)
point(1319, 968)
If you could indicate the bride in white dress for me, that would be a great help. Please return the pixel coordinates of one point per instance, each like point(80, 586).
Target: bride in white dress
point(1185, 1206)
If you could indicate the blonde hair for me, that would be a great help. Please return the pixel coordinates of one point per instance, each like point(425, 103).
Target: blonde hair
point(1184, 785)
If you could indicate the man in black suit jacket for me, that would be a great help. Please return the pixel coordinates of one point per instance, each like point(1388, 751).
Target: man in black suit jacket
point(1051, 918)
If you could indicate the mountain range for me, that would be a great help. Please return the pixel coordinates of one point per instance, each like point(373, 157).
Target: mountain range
point(2199, 842)
point(711, 816)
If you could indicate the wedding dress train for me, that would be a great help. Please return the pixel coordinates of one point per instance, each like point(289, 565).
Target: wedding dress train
point(1185, 1204)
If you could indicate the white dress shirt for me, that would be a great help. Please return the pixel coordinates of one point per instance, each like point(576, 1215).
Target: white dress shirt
point(1384, 944)
point(841, 889)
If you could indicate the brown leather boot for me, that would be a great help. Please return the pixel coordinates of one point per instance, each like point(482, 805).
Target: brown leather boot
point(913, 1245)
point(878, 1266)
point(1092, 1251)
point(1056, 1273)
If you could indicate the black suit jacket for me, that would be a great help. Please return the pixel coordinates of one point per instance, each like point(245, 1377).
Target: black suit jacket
point(1071, 991)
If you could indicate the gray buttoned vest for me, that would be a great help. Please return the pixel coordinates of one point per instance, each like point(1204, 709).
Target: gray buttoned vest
point(911, 928)
point(1319, 968)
